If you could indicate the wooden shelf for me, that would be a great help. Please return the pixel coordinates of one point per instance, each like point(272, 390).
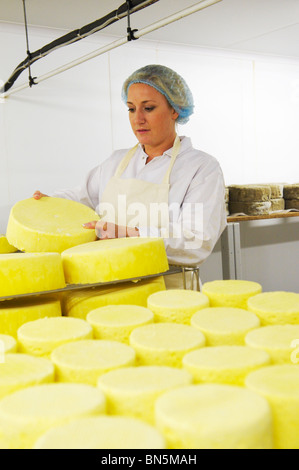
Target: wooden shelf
point(273, 215)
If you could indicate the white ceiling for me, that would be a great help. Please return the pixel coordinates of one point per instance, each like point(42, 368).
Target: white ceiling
point(255, 26)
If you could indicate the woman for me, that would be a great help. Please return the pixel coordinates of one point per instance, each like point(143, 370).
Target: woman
point(163, 186)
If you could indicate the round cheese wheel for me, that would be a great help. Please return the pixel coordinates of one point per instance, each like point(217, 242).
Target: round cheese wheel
point(49, 224)
point(114, 259)
point(279, 384)
point(103, 432)
point(224, 364)
point(278, 307)
point(176, 305)
point(5, 247)
point(15, 312)
point(84, 361)
point(292, 204)
point(22, 370)
point(8, 344)
point(249, 193)
point(250, 208)
point(28, 413)
point(214, 416)
point(165, 343)
point(279, 341)
point(25, 273)
point(291, 191)
point(277, 204)
point(78, 303)
point(230, 292)
point(116, 322)
point(132, 391)
point(224, 325)
point(41, 337)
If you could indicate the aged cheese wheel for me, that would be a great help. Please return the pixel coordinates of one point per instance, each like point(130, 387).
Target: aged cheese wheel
point(116, 322)
point(164, 343)
point(22, 370)
point(277, 307)
point(279, 385)
point(230, 292)
point(49, 224)
point(24, 273)
point(224, 364)
point(114, 259)
point(84, 361)
point(176, 305)
point(250, 208)
point(5, 247)
point(277, 204)
point(15, 312)
point(8, 344)
point(292, 204)
point(28, 413)
point(214, 416)
point(249, 193)
point(132, 391)
point(291, 191)
point(41, 337)
point(80, 302)
point(279, 341)
point(103, 432)
point(224, 325)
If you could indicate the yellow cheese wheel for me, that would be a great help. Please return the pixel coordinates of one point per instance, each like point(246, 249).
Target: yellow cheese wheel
point(132, 391)
point(279, 384)
point(79, 303)
point(224, 364)
point(5, 247)
point(84, 361)
point(230, 292)
point(224, 325)
point(41, 337)
point(15, 312)
point(103, 432)
point(116, 322)
point(114, 259)
point(22, 370)
point(279, 341)
point(25, 273)
point(165, 343)
point(49, 224)
point(277, 307)
point(28, 413)
point(8, 344)
point(176, 305)
point(214, 416)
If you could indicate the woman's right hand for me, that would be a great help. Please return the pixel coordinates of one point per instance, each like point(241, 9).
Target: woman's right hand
point(39, 195)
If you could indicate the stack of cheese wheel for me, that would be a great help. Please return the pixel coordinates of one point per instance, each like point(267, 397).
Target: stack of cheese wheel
point(6, 247)
point(116, 322)
point(277, 200)
point(79, 303)
point(26, 414)
point(278, 307)
point(14, 313)
point(279, 384)
point(23, 370)
point(49, 224)
point(214, 416)
point(224, 364)
point(291, 196)
point(230, 292)
point(224, 325)
point(279, 341)
point(132, 391)
point(176, 305)
point(41, 337)
point(250, 199)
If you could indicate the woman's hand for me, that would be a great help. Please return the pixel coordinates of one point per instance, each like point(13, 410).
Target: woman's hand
point(107, 230)
point(39, 195)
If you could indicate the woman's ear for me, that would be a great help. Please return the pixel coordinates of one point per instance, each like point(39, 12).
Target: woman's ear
point(175, 115)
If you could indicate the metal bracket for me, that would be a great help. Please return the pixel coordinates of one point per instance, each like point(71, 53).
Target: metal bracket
point(231, 252)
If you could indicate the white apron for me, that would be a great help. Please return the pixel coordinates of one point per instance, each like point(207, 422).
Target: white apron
point(137, 203)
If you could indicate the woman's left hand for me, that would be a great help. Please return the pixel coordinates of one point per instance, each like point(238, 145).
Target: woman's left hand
point(107, 230)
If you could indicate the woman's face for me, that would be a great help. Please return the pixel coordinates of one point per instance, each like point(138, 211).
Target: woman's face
point(151, 118)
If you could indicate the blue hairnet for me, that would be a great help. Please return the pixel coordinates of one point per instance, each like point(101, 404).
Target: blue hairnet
point(167, 82)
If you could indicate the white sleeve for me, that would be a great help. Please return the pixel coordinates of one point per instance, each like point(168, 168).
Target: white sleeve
point(87, 193)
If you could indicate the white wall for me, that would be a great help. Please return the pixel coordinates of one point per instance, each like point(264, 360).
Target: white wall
point(246, 114)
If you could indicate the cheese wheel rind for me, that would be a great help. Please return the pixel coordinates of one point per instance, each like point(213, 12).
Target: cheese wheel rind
point(277, 307)
point(249, 193)
point(230, 292)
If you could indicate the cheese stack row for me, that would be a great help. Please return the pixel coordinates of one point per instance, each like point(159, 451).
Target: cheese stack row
point(256, 199)
point(291, 196)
